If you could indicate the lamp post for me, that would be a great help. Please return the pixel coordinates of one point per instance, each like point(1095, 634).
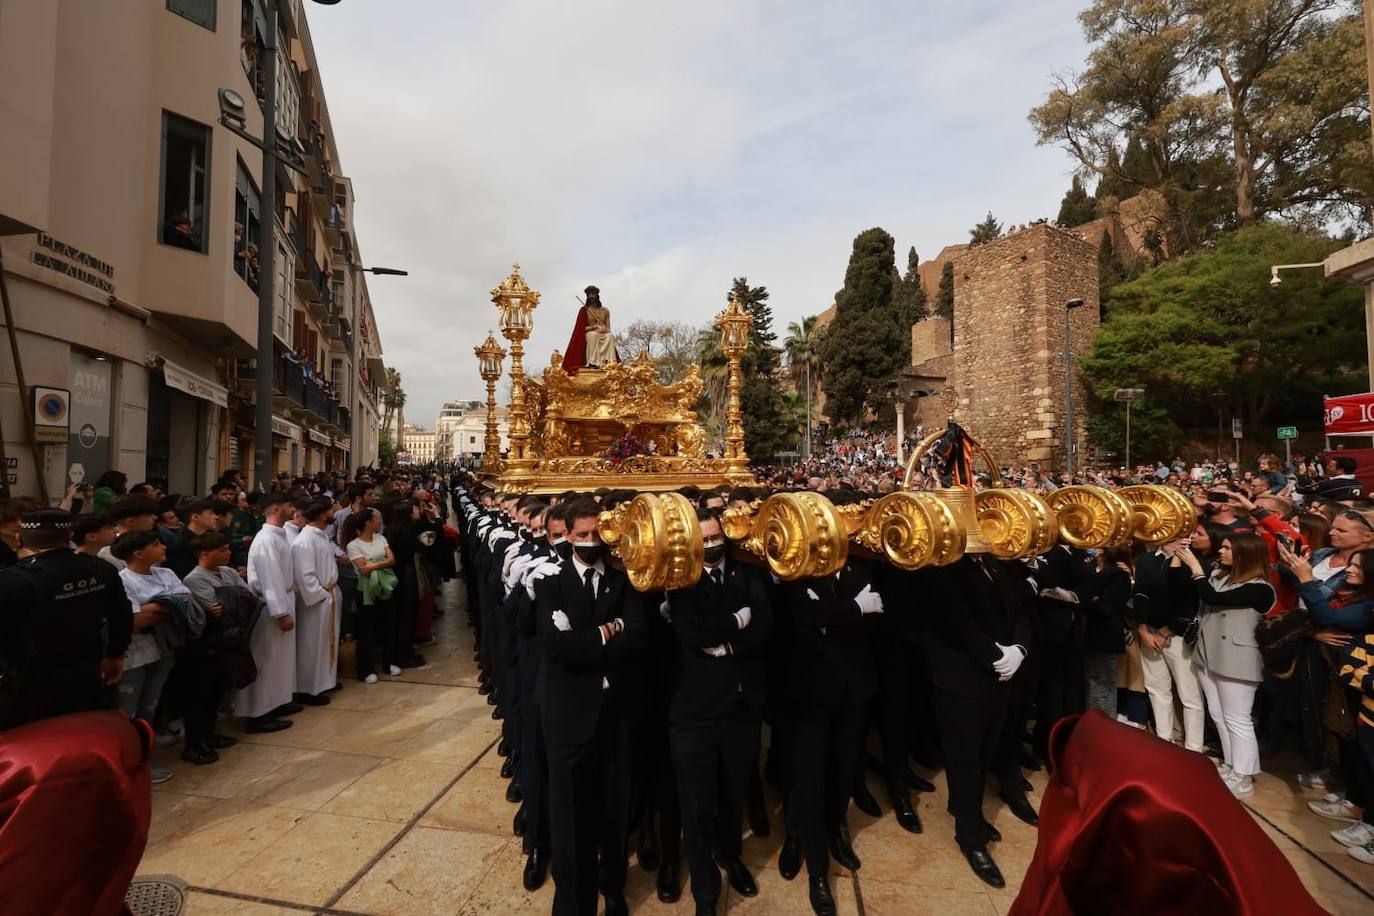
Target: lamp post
point(490, 354)
point(1068, 387)
point(1218, 399)
point(734, 324)
point(1128, 395)
point(516, 303)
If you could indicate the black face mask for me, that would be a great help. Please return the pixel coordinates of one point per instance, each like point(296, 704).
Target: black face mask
point(525, 535)
point(564, 550)
point(590, 554)
point(714, 554)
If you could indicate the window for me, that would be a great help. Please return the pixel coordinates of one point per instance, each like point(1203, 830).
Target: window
point(285, 269)
point(336, 375)
point(252, 47)
point(247, 227)
point(185, 178)
point(201, 12)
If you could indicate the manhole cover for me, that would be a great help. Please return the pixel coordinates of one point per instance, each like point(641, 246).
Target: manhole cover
point(156, 895)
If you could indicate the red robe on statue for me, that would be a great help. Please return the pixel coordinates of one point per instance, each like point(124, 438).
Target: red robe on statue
point(575, 356)
point(75, 805)
point(1131, 824)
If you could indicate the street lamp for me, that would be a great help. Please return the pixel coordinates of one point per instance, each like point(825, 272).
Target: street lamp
point(489, 357)
point(1219, 399)
point(379, 271)
point(289, 152)
point(1274, 278)
point(734, 324)
point(516, 302)
point(1068, 387)
point(1128, 395)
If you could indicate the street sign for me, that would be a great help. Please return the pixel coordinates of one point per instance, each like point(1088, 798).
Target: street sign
point(1288, 432)
point(1129, 394)
point(1235, 429)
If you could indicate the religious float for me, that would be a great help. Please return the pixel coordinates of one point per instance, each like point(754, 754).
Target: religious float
point(614, 425)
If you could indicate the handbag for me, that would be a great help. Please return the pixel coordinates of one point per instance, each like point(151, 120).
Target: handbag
point(1280, 638)
point(1192, 631)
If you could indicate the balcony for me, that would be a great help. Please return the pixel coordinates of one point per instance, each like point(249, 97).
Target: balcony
point(295, 392)
point(345, 421)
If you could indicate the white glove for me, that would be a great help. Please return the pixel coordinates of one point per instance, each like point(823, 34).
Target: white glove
point(665, 610)
point(810, 593)
point(869, 601)
point(561, 621)
point(1012, 657)
point(520, 564)
point(716, 651)
point(742, 617)
point(535, 573)
point(1059, 594)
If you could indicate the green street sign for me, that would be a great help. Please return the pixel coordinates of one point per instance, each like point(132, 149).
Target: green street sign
point(1288, 432)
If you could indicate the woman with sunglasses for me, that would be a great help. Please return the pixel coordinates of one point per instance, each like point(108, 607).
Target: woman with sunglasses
point(1235, 598)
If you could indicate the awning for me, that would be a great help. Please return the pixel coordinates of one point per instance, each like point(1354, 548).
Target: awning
point(319, 438)
point(286, 430)
point(195, 385)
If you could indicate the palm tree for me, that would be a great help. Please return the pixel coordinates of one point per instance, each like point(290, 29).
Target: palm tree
point(803, 347)
point(393, 397)
point(715, 377)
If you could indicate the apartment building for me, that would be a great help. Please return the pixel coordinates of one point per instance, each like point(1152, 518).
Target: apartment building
point(417, 445)
point(461, 428)
point(130, 226)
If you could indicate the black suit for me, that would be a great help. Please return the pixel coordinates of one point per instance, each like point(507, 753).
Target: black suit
point(1059, 639)
point(592, 694)
point(904, 701)
point(831, 677)
point(974, 604)
point(716, 711)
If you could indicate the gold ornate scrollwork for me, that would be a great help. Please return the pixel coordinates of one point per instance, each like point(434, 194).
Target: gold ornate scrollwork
point(658, 539)
point(610, 524)
point(1160, 514)
point(912, 530)
point(799, 535)
point(1091, 516)
point(1016, 523)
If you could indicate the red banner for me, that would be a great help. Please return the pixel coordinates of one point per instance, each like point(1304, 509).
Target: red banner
point(1352, 415)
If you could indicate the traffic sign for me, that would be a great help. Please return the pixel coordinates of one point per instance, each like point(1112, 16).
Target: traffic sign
point(1235, 429)
point(1288, 432)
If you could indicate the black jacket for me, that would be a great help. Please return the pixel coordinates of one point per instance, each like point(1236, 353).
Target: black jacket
point(1103, 599)
point(704, 616)
point(576, 661)
point(972, 605)
point(831, 652)
point(1164, 595)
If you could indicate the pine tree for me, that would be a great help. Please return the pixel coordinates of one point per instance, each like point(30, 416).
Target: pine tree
point(944, 299)
point(908, 295)
point(1078, 206)
point(988, 230)
point(860, 352)
point(1112, 184)
point(1111, 272)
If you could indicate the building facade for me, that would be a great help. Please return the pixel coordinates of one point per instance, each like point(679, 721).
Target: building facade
point(461, 430)
point(130, 226)
point(417, 445)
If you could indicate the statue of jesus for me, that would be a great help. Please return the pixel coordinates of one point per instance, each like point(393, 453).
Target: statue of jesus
point(591, 344)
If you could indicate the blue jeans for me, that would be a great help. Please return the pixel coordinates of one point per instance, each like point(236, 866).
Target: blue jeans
point(140, 688)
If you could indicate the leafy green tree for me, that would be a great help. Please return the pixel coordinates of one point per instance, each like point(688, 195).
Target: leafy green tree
point(1111, 272)
point(1211, 322)
point(861, 350)
point(1078, 206)
point(989, 230)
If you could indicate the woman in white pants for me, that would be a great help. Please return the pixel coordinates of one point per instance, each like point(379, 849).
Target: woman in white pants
point(1235, 599)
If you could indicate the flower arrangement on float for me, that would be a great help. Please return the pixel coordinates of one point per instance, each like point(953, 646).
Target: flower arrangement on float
point(626, 447)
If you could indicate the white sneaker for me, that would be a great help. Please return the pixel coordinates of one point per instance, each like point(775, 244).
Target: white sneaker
point(1357, 834)
point(166, 738)
point(1241, 786)
point(1336, 808)
point(159, 775)
point(370, 679)
point(1314, 780)
point(393, 671)
point(1363, 853)
point(1225, 772)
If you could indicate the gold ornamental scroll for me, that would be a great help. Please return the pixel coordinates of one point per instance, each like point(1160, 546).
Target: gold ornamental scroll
point(657, 537)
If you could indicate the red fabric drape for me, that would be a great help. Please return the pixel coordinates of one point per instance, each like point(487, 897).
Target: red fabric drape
point(1131, 824)
point(575, 356)
point(75, 805)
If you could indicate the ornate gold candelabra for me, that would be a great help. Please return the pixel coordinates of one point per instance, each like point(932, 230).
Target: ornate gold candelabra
point(734, 324)
point(490, 355)
point(517, 302)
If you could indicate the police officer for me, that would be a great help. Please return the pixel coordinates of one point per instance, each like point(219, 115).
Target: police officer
point(64, 625)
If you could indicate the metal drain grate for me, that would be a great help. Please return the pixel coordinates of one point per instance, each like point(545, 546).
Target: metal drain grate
point(156, 895)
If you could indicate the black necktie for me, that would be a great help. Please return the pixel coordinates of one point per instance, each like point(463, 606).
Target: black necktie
point(717, 577)
point(591, 586)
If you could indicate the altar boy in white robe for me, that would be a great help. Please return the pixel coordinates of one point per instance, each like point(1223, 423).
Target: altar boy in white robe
point(317, 605)
point(268, 699)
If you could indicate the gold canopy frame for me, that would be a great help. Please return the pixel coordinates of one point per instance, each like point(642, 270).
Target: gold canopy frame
point(563, 424)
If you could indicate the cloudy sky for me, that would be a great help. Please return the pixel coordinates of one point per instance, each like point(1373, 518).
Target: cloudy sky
point(658, 149)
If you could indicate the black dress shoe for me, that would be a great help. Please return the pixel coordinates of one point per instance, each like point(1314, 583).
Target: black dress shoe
point(1025, 785)
point(415, 661)
point(919, 784)
point(518, 823)
point(907, 817)
point(263, 725)
point(843, 853)
point(616, 906)
point(758, 819)
point(307, 699)
point(669, 888)
point(496, 713)
point(503, 747)
point(1029, 761)
point(822, 901)
point(647, 851)
point(220, 742)
point(994, 835)
point(334, 688)
point(198, 754)
point(536, 869)
point(981, 862)
point(865, 802)
point(740, 879)
point(1023, 809)
point(483, 687)
point(789, 860)
point(508, 768)
point(514, 793)
point(286, 709)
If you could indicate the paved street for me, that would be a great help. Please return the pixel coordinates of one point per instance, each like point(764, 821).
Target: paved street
point(389, 801)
